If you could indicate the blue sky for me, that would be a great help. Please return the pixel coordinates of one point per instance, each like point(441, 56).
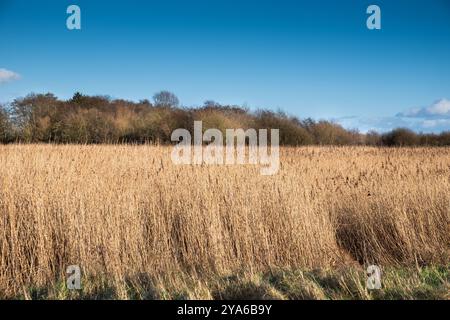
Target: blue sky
point(310, 58)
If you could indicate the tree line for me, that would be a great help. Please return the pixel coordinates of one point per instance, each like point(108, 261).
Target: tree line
point(86, 119)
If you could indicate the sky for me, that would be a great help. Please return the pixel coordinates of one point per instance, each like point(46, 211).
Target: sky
point(308, 58)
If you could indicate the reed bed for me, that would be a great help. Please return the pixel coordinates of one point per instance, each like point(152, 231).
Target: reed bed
point(126, 215)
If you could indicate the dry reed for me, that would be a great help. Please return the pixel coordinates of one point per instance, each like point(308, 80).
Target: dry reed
point(120, 211)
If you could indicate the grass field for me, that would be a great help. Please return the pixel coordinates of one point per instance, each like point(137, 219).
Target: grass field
point(141, 227)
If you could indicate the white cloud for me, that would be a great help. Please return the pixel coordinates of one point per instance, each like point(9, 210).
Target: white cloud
point(436, 123)
point(439, 109)
point(380, 124)
point(6, 76)
point(432, 119)
point(384, 124)
point(442, 107)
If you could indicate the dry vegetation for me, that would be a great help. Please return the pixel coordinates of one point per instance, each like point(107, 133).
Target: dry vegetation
point(141, 227)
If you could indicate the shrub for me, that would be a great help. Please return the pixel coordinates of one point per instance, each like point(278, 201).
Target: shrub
point(400, 137)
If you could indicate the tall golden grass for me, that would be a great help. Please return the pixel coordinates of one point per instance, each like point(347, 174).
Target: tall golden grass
point(120, 211)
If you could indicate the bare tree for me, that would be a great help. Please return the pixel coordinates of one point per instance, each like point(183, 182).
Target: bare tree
point(166, 99)
point(5, 126)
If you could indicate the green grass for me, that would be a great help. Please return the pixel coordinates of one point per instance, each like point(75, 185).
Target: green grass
point(343, 284)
